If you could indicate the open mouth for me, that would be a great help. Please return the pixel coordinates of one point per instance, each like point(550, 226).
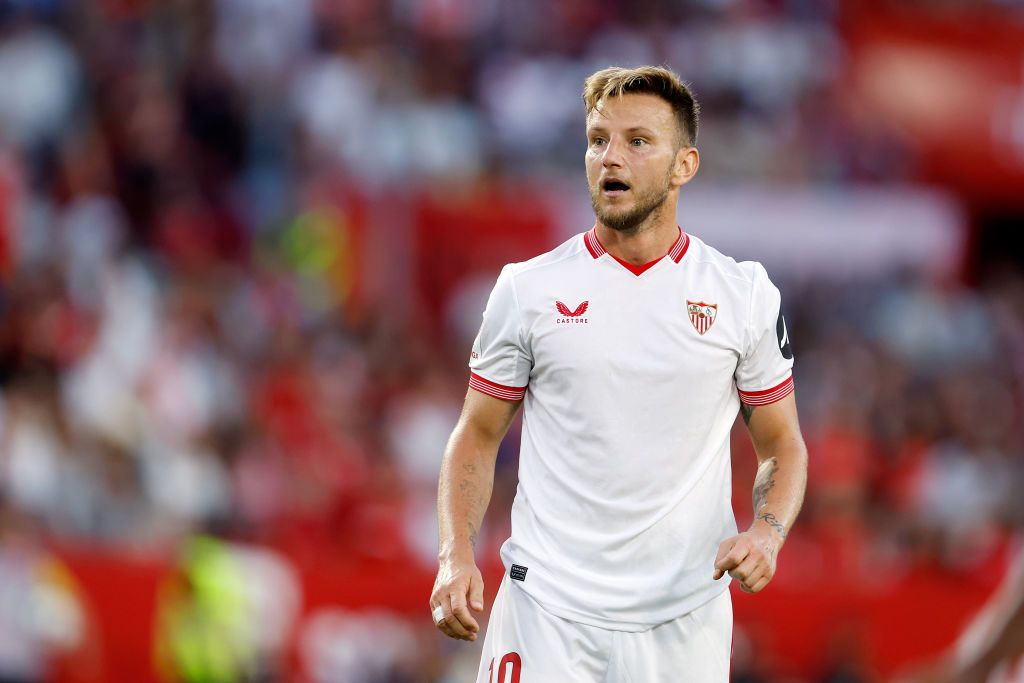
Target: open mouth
point(614, 187)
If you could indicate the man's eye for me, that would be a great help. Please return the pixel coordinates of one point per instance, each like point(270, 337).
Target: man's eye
point(597, 141)
point(636, 142)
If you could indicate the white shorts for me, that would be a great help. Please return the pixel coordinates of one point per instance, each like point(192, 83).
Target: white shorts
point(526, 644)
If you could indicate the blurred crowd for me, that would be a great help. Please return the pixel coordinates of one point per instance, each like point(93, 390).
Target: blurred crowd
point(189, 343)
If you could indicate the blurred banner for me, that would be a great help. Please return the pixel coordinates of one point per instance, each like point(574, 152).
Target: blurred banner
point(800, 233)
point(329, 621)
point(950, 88)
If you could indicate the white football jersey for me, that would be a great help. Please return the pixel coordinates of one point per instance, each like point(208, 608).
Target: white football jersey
point(632, 384)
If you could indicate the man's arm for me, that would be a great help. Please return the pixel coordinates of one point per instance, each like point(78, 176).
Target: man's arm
point(464, 490)
point(994, 637)
point(779, 486)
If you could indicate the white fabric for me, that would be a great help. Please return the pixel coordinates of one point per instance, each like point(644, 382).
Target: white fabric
point(624, 475)
point(526, 644)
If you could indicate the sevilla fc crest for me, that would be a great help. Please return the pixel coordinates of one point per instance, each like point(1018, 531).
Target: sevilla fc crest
point(702, 315)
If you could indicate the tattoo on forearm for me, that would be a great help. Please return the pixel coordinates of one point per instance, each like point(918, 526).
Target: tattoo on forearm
point(469, 487)
point(476, 499)
point(773, 522)
point(746, 411)
point(764, 482)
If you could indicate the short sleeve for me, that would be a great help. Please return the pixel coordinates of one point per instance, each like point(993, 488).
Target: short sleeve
point(500, 364)
point(765, 372)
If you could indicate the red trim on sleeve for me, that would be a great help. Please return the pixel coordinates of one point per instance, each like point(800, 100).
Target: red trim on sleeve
point(766, 396)
point(494, 389)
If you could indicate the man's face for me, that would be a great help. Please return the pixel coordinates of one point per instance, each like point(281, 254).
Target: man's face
point(632, 143)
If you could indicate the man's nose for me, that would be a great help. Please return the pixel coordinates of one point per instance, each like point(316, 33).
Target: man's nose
point(612, 154)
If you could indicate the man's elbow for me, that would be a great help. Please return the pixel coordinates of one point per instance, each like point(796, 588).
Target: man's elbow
point(788, 449)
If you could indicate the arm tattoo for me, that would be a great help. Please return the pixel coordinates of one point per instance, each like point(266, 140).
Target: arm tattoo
point(773, 522)
point(470, 489)
point(764, 482)
point(746, 411)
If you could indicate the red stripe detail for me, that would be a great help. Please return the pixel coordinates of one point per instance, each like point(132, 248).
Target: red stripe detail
point(597, 250)
point(512, 395)
point(766, 396)
point(679, 250)
point(675, 245)
point(494, 389)
point(593, 244)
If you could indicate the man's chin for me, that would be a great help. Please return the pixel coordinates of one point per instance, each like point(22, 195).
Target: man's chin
point(613, 213)
point(626, 224)
point(625, 215)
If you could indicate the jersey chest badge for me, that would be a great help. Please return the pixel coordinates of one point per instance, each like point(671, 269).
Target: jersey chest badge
point(702, 315)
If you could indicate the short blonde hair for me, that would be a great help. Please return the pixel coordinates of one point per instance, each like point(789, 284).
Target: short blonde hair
point(616, 81)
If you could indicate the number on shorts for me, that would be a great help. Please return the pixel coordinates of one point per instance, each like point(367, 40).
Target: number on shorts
point(511, 658)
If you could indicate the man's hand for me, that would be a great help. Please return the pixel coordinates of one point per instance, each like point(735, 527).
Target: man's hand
point(749, 557)
point(459, 588)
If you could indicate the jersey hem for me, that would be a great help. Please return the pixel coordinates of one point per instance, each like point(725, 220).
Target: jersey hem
point(767, 396)
point(486, 386)
point(686, 606)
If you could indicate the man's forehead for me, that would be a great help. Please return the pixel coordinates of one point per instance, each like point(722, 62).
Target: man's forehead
point(632, 110)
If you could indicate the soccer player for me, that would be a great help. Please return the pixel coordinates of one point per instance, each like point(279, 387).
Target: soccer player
point(633, 346)
point(992, 642)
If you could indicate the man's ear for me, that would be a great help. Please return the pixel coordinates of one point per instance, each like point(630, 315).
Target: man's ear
point(685, 166)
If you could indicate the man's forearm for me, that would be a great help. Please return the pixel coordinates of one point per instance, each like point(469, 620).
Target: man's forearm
point(780, 482)
point(464, 491)
point(778, 495)
point(750, 557)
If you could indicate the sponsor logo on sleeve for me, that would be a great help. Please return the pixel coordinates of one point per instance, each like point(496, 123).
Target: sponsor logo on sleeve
point(518, 572)
point(783, 335)
point(474, 354)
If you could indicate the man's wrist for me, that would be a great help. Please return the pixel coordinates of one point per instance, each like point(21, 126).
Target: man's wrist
point(456, 551)
point(768, 524)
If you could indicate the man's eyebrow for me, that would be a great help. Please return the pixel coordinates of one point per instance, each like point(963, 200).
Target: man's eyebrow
point(629, 131)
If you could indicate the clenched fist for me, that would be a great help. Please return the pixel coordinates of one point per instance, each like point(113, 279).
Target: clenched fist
point(749, 558)
point(458, 588)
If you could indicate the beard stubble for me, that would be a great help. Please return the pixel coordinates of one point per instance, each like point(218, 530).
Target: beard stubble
point(632, 220)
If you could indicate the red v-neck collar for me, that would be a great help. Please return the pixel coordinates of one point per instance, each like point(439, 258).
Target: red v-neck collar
point(597, 250)
point(636, 270)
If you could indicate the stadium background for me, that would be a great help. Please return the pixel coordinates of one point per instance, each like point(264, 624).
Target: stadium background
point(245, 244)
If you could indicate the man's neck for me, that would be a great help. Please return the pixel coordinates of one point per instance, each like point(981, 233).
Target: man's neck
point(647, 244)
